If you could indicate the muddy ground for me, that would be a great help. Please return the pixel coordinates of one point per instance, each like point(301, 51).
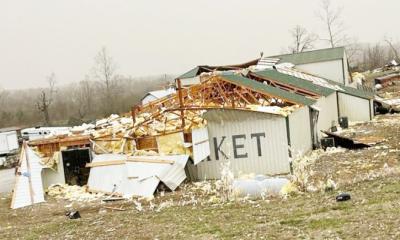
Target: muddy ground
point(370, 175)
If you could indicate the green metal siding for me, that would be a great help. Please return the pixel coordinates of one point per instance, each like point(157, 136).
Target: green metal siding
point(321, 55)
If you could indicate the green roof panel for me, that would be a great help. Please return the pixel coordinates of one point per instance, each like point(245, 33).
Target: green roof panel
point(320, 55)
point(190, 74)
point(268, 90)
point(294, 81)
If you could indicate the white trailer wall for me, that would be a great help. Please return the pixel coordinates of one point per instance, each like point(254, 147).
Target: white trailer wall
point(253, 142)
point(8, 142)
point(328, 113)
point(355, 108)
point(300, 131)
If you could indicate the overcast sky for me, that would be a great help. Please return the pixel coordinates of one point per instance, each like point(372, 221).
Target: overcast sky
point(156, 37)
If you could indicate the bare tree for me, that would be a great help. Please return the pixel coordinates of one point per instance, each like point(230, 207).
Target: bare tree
point(83, 98)
point(393, 49)
point(374, 56)
point(331, 18)
point(105, 72)
point(302, 39)
point(353, 51)
point(45, 99)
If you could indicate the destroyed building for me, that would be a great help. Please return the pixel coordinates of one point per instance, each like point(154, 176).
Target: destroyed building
point(257, 115)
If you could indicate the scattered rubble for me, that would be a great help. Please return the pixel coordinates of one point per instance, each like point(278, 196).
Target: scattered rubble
point(73, 193)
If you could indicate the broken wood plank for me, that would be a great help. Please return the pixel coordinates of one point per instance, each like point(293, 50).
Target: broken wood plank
point(105, 163)
point(147, 160)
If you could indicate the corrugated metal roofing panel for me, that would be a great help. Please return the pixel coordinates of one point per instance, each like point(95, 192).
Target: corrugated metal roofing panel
point(201, 145)
point(314, 79)
point(295, 81)
point(326, 83)
point(319, 55)
point(268, 90)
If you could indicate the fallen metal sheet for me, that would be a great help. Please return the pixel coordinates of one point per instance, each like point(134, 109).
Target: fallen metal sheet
point(136, 178)
point(346, 142)
point(111, 178)
point(170, 174)
point(28, 187)
point(175, 174)
point(201, 145)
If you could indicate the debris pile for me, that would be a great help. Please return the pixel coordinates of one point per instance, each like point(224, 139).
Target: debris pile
point(72, 193)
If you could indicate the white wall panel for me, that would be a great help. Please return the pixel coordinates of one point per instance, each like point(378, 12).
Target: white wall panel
point(300, 131)
point(328, 113)
point(355, 108)
point(258, 139)
point(28, 186)
point(332, 70)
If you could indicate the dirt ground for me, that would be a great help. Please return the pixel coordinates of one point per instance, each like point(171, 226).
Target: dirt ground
point(194, 211)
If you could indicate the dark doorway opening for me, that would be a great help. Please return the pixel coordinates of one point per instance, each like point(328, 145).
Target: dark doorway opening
point(74, 161)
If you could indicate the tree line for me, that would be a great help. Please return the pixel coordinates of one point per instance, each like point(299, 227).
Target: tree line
point(99, 94)
point(362, 56)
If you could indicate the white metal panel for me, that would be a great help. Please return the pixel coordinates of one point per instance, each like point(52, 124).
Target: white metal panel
point(328, 114)
point(186, 82)
point(170, 174)
point(300, 131)
point(309, 77)
point(136, 178)
point(148, 98)
point(260, 141)
point(355, 108)
point(24, 188)
point(111, 178)
point(201, 145)
point(332, 70)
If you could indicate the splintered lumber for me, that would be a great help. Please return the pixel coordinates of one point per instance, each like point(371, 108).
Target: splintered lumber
point(105, 163)
point(119, 162)
point(147, 160)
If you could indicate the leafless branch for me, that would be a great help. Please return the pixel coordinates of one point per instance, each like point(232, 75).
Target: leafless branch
point(331, 18)
point(302, 39)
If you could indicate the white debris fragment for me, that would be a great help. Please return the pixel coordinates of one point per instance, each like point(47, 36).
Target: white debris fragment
point(138, 205)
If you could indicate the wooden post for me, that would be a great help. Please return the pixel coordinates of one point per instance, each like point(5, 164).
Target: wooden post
point(181, 105)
